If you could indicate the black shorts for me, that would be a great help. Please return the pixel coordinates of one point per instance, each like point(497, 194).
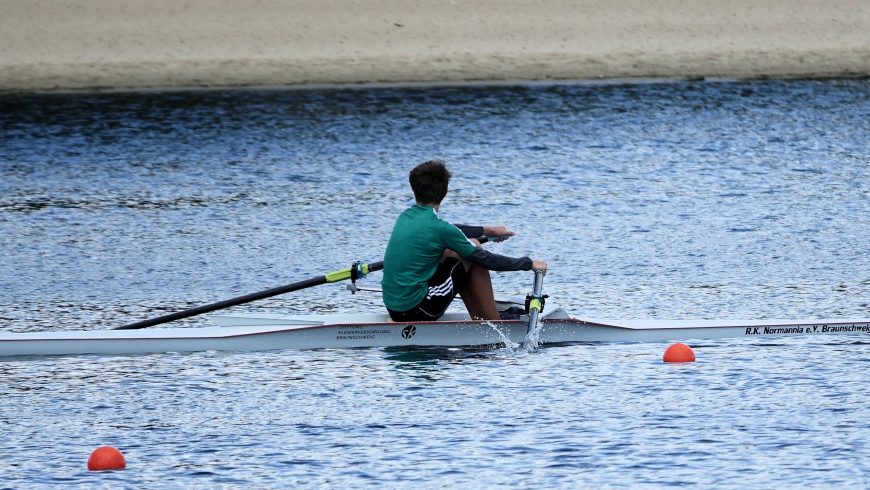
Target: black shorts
point(449, 279)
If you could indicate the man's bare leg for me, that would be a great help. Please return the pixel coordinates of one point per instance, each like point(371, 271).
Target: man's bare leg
point(477, 295)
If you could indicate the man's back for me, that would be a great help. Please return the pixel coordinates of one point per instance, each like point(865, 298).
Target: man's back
point(416, 245)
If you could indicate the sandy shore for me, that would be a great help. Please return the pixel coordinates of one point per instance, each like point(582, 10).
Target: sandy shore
point(79, 44)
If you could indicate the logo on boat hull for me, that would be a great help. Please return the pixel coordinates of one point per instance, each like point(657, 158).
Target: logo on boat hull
point(409, 331)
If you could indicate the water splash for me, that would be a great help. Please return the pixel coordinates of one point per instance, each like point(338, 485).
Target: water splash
point(509, 344)
point(532, 340)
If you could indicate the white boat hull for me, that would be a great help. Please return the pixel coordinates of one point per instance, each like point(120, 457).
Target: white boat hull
point(249, 332)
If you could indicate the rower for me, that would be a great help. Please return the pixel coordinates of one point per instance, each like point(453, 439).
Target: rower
point(429, 261)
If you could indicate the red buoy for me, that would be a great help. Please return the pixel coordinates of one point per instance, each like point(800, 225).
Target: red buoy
point(679, 352)
point(106, 458)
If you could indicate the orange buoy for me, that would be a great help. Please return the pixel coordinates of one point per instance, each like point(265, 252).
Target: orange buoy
point(679, 352)
point(106, 458)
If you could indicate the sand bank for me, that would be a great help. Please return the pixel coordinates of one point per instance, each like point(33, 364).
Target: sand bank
point(80, 44)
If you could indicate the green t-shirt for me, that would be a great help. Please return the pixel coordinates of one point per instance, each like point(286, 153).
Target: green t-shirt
point(418, 240)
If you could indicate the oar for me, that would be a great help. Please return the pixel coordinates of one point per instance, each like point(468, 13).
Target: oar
point(536, 305)
point(358, 270)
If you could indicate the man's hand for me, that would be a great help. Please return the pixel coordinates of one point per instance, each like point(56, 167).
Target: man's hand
point(539, 265)
point(497, 233)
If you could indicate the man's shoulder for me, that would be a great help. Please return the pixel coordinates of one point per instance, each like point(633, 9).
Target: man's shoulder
point(425, 216)
point(413, 213)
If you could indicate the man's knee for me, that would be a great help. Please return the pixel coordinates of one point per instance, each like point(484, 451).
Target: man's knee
point(450, 254)
point(465, 262)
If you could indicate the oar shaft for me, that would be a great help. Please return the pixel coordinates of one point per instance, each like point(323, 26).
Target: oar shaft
point(536, 303)
point(335, 276)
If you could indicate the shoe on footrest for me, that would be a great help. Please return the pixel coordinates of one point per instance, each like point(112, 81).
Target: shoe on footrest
point(512, 313)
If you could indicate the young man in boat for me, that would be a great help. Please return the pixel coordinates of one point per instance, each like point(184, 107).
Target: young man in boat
point(429, 261)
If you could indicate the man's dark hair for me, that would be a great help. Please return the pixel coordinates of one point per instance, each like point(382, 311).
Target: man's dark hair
point(429, 182)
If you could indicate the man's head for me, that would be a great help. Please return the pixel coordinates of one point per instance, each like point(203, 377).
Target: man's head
point(429, 182)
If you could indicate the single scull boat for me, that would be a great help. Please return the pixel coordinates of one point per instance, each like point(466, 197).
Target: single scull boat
point(259, 332)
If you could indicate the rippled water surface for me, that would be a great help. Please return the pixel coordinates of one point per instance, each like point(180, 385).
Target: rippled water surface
point(661, 200)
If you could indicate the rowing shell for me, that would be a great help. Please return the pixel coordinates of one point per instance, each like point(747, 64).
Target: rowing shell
point(258, 332)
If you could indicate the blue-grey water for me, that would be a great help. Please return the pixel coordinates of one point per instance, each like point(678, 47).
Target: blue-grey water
point(652, 200)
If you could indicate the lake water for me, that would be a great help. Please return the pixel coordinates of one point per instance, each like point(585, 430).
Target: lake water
point(703, 200)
